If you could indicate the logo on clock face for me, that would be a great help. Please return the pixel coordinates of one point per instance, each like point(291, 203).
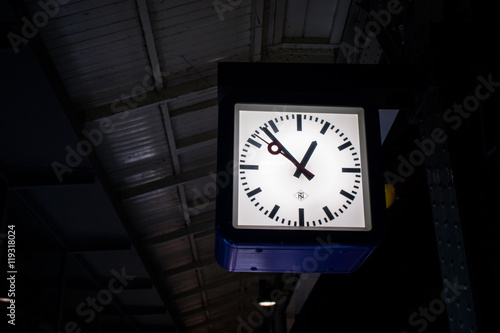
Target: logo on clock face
point(301, 195)
point(313, 151)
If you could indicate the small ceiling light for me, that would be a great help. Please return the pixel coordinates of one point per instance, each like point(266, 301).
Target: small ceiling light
point(265, 298)
point(267, 303)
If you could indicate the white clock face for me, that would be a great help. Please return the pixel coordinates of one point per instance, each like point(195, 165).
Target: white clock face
point(300, 167)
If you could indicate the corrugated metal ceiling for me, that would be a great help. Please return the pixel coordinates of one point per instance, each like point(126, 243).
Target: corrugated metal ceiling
point(147, 69)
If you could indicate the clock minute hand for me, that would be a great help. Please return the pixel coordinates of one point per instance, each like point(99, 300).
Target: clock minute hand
point(309, 175)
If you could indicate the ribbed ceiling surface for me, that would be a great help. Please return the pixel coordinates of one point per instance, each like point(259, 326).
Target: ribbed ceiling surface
point(145, 71)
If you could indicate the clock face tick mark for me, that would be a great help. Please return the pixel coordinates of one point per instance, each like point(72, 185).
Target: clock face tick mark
point(344, 146)
point(351, 170)
point(274, 211)
point(273, 126)
point(249, 167)
point(325, 128)
point(328, 213)
point(347, 195)
point(254, 192)
point(254, 143)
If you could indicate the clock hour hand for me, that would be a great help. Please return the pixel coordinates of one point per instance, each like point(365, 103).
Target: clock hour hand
point(276, 147)
point(305, 159)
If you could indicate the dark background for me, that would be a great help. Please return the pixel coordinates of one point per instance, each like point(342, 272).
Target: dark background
point(402, 276)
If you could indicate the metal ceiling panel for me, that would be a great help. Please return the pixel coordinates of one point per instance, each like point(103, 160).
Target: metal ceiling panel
point(191, 36)
point(98, 48)
point(207, 207)
point(205, 246)
point(189, 303)
point(176, 105)
point(228, 288)
point(318, 21)
point(141, 297)
point(195, 319)
point(156, 213)
point(182, 283)
point(200, 192)
point(295, 18)
point(213, 273)
point(223, 311)
point(155, 321)
point(160, 156)
point(195, 122)
point(173, 254)
point(198, 158)
point(134, 150)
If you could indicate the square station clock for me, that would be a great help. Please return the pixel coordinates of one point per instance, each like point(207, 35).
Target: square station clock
point(305, 193)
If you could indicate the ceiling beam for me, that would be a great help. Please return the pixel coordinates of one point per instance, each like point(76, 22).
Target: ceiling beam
point(257, 29)
point(201, 141)
point(217, 284)
point(150, 41)
point(194, 107)
point(168, 182)
point(194, 228)
point(152, 98)
point(188, 144)
point(169, 132)
point(167, 123)
point(189, 267)
point(279, 18)
point(339, 21)
point(214, 305)
point(103, 245)
point(221, 318)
